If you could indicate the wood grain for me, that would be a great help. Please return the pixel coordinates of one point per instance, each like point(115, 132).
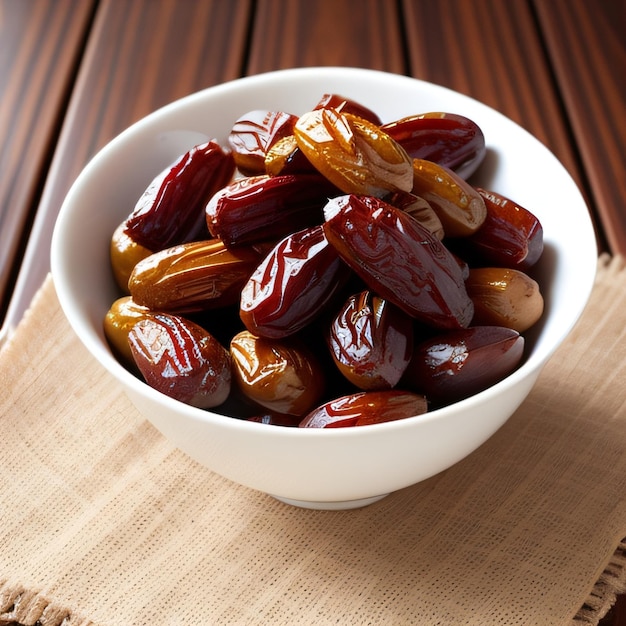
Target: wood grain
point(299, 33)
point(141, 55)
point(586, 42)
point(490, 50)
point(41, 42)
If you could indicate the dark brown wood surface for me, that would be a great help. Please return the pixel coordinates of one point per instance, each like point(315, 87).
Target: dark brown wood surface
point(41, 46)
point(586, 46)
point(74, 73)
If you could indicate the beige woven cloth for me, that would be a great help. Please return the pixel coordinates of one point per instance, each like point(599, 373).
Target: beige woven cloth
point(103, 522)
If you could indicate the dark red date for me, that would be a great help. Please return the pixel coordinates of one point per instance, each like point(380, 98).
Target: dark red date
point(171, 210)
point(292, 285)
point(448, 139)
point(181, 360)
point(510, 236)
point(347, 105)
point(253, 134)
point(460, 363)
point(262, 208)
point(366, 408)
point(371, 341)
point(399, 259)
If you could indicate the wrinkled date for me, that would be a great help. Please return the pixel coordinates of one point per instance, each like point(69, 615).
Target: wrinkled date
point(419, 209)
point(292, 285)
point(460, 363)
point(371, 341)
point(192, 277)
point(353, 153)
point(253, 134)
point(170, 210)
point(181, 359)
point(448, 139)
point(282, 376)
point(399, 259)
point(366, 407)
point(458, 205)
point(510, 236)
point(262, 208)
point(341, 270)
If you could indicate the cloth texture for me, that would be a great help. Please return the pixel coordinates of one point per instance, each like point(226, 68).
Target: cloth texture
point(103, 522)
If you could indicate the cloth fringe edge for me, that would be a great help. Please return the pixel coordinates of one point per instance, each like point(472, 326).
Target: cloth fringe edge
point(21, 607)
point(612, 582)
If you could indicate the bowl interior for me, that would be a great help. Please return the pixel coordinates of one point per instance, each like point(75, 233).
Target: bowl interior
point(517, 165)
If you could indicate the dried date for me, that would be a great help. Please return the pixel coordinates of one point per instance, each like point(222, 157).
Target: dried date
point(510, 236)
point(125, 253)
point(504, 297)
point(262, 208)
point(458, 205)
point(459, 363)
point(448, 139)
point(192, 277)
point(281, 375)
point(171, 210)
point(122, 315)
point(252, 136)
point(353, 153)
point(365, 408)
point(181, 360)
point(292, 285)
point(371, 341)
point(399, 259)
point(348, 105)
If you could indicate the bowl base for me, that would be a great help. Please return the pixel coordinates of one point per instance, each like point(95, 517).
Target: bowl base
point(341, 505)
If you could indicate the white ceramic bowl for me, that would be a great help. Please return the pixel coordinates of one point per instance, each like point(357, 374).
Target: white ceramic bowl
point(337, 468)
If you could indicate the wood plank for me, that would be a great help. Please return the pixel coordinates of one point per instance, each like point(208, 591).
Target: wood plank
point(299, 33)
point(492, 51)
point(40, 45)
point(140, 56)
point(586, 42)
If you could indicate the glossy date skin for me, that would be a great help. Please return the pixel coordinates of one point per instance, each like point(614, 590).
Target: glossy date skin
point(252, 136)
point(285, 157)
point(510, 236)
point(280, 375)
point(171, 210)
point(125, 253)
point(353, 153)
point(399, 259)
point(181, 360)
point(262, 208)
point(419, 209)
point(348, 105)
point(366, 408)
point(192, 277)
point(292, 285)
point(371, 341)
point(504, 296)
point(123, 314)
point(289, 247)
point(457, 364)
point(458, 205)
point(448, 139)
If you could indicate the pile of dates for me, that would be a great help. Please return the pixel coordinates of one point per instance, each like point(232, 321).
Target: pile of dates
point(325, 270)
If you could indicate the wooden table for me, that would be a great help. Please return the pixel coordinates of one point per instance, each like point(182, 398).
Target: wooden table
point(74, 73)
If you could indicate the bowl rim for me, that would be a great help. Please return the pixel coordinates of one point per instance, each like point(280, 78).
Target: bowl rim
point(530, 367)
